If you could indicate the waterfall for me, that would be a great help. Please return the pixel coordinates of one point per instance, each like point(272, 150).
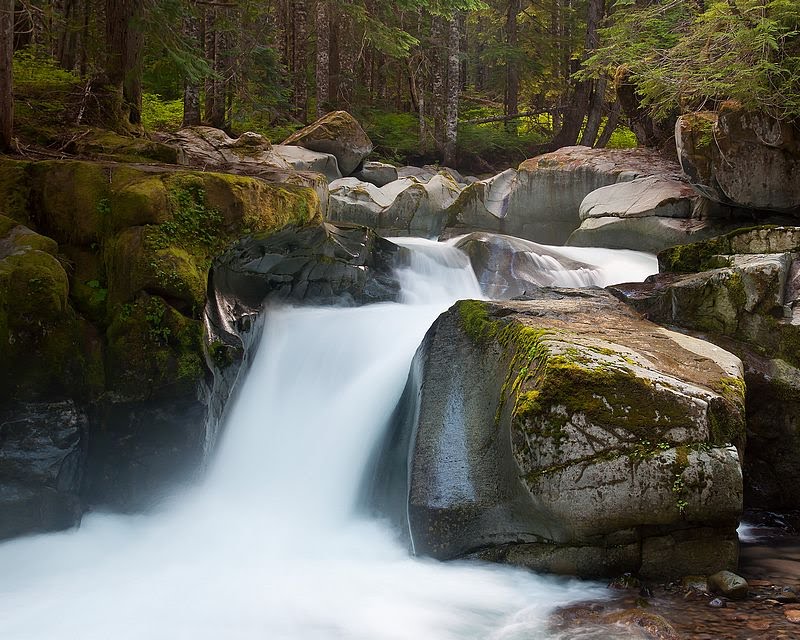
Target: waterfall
point(271, 544)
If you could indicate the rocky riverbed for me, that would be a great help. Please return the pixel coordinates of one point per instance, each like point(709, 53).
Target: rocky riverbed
point(769, 561)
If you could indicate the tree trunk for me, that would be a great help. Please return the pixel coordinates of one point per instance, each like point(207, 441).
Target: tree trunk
point(438, 85)
point(69, 36)
point(300, 86)
point(453, 90)
point(595, 115)
point(348, 57)
point(611, 125)
point(323, 67)
point(512, 66)
point(191, 90)
point(6, 79)
point(124, 40)
point(215, 85)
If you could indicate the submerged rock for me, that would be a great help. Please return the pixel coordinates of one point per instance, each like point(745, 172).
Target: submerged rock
point(508, 267)
point(564, 433)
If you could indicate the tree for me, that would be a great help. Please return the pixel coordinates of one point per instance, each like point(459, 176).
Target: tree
point(6, 79)
point(124, 40)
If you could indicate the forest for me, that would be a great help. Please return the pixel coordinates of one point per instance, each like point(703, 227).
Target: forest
point(467, 83)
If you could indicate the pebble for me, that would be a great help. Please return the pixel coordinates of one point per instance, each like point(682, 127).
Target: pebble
point(717, 603)
point(792, 615)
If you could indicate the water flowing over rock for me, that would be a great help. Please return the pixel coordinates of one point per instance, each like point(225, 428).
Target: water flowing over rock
point(403, 207)
point(339, 134)
point(740, 291)
point(741, 158)
point(566, 434)
point(508, 267)
point(541, 200)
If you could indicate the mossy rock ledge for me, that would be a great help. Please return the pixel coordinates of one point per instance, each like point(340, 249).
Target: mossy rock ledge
point(566, 434)
point(103, 279)
point(742, 292)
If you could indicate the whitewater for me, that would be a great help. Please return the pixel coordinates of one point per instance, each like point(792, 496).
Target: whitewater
point(272, 543)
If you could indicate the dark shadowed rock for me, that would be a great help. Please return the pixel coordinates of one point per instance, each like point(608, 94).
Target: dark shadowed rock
point(42, 457)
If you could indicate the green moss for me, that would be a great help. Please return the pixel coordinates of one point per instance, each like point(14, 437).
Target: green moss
point(153, 350)
point(15, 190)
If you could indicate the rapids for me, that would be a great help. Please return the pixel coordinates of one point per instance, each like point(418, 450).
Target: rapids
point(270, 544)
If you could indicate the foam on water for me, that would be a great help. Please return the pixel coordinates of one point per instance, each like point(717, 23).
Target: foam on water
point(271, 545)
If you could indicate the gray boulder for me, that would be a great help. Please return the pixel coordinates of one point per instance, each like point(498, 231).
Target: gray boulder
point(402, 207)
point(541, 200)
point(733, 293)
point(742, 158)
point(339, 134)
point(301, 159)
point(377, 173)
point(566, 434)
point(212, 148)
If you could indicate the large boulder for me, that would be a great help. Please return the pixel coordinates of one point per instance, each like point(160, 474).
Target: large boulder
point(541, 200)
point(742, 158)
point(339, 134)
point(741, 292)
point(377, 173)
point(402, 207)
point(567, 434)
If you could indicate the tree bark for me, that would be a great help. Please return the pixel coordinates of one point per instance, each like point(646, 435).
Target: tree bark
point(611, 125)
point(191, 90)
point(453, 91)
point(512, 66)
point(124, 40)
point(438, 84)
point(6, 79)
point(300, 86)
point(595, 115)
point(323, 66)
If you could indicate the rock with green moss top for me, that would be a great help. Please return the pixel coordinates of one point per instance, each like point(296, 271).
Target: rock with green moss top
point(742, 158)
point(710, 254)
point(748, 303)
point(106, 145)
point(339, 134)
point(558, 427)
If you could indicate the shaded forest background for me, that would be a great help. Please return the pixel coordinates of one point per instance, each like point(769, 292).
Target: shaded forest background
point(468, 83)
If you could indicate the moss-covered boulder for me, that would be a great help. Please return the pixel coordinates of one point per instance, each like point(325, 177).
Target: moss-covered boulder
point(101, 304)
point(339, 134)
point(565, 433)
point(741, 292)
point(742, 158)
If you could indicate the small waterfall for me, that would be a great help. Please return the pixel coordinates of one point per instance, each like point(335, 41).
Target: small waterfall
point(271, 544)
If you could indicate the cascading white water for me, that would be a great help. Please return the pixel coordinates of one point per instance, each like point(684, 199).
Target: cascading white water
point(271, 546)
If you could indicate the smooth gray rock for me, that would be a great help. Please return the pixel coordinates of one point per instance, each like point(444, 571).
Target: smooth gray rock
point(729, 585)
point(377, 173)
point(643, 197)
point(540, 201)
point(301, 159)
